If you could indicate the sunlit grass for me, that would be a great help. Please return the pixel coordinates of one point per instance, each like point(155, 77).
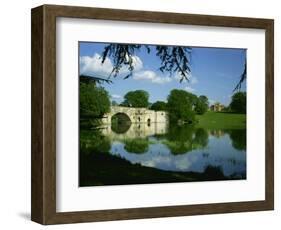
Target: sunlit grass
point(221, 120)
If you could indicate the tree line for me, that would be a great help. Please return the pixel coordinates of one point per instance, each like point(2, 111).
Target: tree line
point(182, 106)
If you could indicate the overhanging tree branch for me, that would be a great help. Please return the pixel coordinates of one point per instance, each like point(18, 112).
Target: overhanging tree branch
point(242, 78)
point(174, 59)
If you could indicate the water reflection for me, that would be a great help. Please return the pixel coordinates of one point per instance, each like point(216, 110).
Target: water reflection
point(135, 130)
point(238, 137)
point(94, 141)
point(211, 153)
point(136, 145)
point(183, 139)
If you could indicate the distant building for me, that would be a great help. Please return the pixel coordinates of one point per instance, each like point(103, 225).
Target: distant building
point(217, 107)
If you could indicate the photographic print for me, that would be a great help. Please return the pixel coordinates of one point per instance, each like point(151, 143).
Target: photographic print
point(161, 114)
point(155, 104)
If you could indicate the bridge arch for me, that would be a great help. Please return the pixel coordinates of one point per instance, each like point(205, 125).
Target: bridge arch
point(120, 122)
point(120, 117)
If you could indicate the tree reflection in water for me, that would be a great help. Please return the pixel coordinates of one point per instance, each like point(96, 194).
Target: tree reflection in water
point(239, 138)
point(137, 145)
point(126, 153)
point(182, 139)
point(94, 141)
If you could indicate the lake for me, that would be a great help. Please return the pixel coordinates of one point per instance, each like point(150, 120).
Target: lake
point(160, 153)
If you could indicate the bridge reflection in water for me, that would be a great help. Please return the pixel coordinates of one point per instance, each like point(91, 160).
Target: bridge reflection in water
point(178, 148)
point(135, 130)
point(135, 153)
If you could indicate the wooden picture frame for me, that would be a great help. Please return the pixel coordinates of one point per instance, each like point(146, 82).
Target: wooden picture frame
point(43, 208)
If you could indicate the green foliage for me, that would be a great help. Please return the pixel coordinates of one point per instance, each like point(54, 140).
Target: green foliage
point(238, 103)
point(94, 101)
point(238, 138)
point(92, 141)
point(185, 138)
point(180, 106)
point(114, 103)
point(201, 105)
point(201, 137)
point(138, 98)
point(226, 109)
point(179, 139)
point(159, 106)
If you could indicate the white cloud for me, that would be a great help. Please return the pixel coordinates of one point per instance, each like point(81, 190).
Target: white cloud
point(193, 80)
point(92, 65)
point(137, 63)
point(151, 76)
point(116, 96)
point(190, 89)
point(211, 101)
point(183, 163)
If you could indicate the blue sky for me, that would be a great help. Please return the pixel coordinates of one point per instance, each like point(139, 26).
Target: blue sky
point(214, 73)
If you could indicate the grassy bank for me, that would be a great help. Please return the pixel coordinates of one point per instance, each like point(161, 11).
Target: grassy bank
point(217, 120)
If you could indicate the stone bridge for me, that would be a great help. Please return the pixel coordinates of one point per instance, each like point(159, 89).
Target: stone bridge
point(136, 115)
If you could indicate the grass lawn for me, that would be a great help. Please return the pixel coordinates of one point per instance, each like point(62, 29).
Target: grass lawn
point(218, 120)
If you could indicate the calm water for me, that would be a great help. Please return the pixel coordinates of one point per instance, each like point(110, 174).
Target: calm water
point(173, 149)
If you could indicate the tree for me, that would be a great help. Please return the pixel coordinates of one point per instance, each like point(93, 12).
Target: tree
point(94, 101)
point(204, 99)
point(138, 98)
point(201, 105)
point(114, 103)
point(159, 106)
point(238, 102)
point(174, 59)
point(180, 106)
